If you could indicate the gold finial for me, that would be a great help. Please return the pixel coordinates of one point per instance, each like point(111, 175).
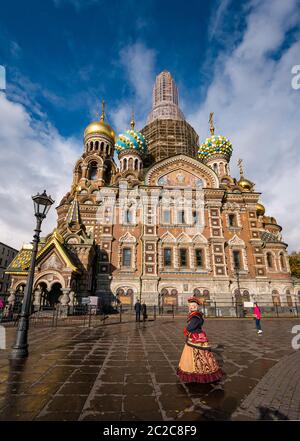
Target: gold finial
point(240, 165)
point(103, 111)
point(211, 123)
point(132, 123)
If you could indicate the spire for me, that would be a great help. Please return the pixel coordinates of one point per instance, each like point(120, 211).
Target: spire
point(240, 166)
point(165, 99)
point(211, 123)
point(103, 111)
point(73, 216)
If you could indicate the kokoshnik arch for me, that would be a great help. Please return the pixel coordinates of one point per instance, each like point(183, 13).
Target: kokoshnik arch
point(158, 250)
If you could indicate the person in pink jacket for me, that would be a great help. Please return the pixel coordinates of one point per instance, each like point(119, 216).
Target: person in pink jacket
point(257, 315)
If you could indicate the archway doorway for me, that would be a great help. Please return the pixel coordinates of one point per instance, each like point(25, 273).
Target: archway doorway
point(44, 294)
point(54, 294)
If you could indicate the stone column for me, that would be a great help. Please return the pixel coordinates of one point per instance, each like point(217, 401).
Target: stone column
point(65, 298)
point(12, 296)
point(37, 298)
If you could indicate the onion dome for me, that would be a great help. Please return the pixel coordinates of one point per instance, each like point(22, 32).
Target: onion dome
point(245, 184)
point(100, 128)
point(215, 145)
point(131, 139)
point(260, 209)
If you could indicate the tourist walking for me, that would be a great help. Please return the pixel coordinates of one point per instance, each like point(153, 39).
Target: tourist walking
point(197, 363)
point(257, 315)
point(144, 311)
point(138, 308)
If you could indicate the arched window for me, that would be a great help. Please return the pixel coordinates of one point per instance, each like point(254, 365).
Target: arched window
point(101, 147)
point(215, 166)
point(167, 257)
point(136, 164)
point(232, 220)
point(199, 258)
point(236, 259)
point(269, 260)
point(246, 296)
point(125, 164)
point(282, 261)
point(126, 257)
point(276, 298)
point(79, 172)
point(197, 292)
point(289, 298)
point(107, 149)
point(93, 169)
point(91, 145)
point(96, 145)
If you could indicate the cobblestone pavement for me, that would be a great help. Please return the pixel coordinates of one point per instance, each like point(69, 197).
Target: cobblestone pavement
point(276, 396)
point(127, 372)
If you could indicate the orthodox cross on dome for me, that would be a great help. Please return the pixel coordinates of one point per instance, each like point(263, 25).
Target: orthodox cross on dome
point(132, 122)
point(103, 111)
point(240, 166)
point(211, 123)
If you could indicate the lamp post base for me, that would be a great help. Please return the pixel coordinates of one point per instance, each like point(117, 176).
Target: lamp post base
point(19, 352)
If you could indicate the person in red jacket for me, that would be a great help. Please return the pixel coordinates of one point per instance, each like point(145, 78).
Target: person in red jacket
point(257, 315)
point(197, 363)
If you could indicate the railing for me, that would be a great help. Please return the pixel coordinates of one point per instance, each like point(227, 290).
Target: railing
point(80, 315)
point(234, 310)
point(89, 316)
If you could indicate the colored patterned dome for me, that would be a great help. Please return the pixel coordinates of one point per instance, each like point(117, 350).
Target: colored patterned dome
point(131, 139)
point(215, 145)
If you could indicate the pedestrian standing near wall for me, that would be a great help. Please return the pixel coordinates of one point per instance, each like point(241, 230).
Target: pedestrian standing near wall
point(138, 308)
point(257, 315)
point(144, 311)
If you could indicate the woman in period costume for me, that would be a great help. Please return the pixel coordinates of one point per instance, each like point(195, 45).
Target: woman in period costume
point(197, 363)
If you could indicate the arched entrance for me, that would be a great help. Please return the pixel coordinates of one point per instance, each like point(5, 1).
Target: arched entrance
point(276, 298)
point(54, 294)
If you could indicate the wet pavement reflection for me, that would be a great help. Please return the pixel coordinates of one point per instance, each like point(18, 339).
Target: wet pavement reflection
point(127, 371)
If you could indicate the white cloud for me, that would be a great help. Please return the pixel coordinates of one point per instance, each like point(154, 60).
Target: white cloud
point(34, 157)
point(256, 107)
point(138, 62)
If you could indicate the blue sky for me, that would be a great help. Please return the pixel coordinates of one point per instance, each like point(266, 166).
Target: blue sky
point(71, 50)
point(228, 56)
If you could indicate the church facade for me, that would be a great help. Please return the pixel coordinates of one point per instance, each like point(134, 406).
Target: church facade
point(167, 222)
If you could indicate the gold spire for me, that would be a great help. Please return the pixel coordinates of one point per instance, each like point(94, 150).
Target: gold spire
point(211, 123)
point(103, 111)
point(132, 122)
point(240, 166)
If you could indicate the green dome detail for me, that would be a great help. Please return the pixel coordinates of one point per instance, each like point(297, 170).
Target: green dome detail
point(215, 145)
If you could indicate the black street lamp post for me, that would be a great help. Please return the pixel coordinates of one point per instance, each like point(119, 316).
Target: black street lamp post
point(239, 289)
point(42, 203)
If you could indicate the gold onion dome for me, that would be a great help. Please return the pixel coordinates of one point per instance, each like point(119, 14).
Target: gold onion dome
point(260, 209)
point(100, 128)
point(245, 184)
point(215, 145)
